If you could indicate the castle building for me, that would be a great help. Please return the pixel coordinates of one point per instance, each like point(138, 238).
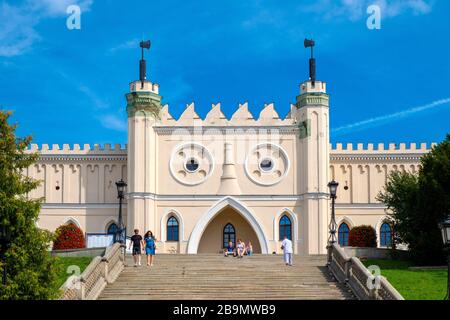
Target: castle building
point(199, 183)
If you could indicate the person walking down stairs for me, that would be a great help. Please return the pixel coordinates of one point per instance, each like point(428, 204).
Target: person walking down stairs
point(150, 247)
point(136, 242)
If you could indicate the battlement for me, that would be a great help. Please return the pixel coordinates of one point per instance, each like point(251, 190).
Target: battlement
point(77, 149)
point(215, 117)
point(339, 148)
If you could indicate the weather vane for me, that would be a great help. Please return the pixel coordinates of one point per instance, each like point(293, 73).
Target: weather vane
point(142, 66)
point(309, 43)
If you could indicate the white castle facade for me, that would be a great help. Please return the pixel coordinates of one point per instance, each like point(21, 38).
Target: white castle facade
point(198, 183)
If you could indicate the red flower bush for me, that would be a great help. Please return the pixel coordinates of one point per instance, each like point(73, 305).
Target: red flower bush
point(362, 236)
point(69, 236)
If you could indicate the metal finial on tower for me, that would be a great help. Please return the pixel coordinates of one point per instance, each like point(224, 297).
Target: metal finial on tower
point(142, 65)
point(309, 43)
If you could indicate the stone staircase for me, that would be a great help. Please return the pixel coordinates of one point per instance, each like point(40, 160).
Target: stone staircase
point(203, 276)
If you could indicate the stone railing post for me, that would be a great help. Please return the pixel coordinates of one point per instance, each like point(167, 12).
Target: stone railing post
point(347, 270)
point(105, 268)
point(122, 256)
point(329, 254)
point(82, 289)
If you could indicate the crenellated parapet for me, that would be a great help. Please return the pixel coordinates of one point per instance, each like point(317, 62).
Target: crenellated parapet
point(268, 116)
point(339, 148)
point(78, 149)
point(77, 152)
point(380, 151)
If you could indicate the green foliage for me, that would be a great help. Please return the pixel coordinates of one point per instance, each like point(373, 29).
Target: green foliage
point(418, 284)
point(362, 236)
point(30, 268)
point(418, 202)
point(68, 236)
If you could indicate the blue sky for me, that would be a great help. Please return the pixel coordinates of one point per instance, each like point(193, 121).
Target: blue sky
point(68, 86)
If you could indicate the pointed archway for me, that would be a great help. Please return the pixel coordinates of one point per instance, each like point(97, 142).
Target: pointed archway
point(237, 208)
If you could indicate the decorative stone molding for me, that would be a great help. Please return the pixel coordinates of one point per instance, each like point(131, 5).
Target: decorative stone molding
point(181, 154)
point(270, 151)
point(313, 98)
point(143, 103)
point(228, 181)
point(375, 158)
point(222, 130)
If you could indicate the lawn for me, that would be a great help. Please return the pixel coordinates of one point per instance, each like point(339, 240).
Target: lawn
point(63, 263)
point(413, 284)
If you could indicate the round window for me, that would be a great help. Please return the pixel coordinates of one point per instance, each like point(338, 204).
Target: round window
point(191, 165)
point(266, 165)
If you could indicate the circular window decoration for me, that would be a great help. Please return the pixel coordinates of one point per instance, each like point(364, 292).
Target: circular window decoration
point(191, 163)
point(267, 164)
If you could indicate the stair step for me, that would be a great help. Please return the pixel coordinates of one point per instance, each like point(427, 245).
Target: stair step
point(216, 277)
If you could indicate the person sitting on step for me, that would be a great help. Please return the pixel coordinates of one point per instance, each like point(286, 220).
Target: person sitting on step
point(249, 249)
point(229, 250)
point(240, 248)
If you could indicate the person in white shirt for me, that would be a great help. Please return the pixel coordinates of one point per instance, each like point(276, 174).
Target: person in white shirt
point(286, 246)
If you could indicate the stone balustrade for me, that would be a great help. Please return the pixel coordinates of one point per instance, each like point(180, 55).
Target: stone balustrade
point(358, 278)
point(100, 272)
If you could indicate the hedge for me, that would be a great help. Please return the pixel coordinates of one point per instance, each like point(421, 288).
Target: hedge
point(362, 236)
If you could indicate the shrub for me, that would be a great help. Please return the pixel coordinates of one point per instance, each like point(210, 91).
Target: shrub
point(362, 236)
point(68, 236)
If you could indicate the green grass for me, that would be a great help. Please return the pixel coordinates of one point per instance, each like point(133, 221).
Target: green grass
point(64, 262)
point(413, 284)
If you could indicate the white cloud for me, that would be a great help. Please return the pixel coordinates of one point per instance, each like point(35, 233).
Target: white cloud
point(378, 121)
point(18, 23)
point(356, 9)
point(113, 122)
point(17, 31)
point(130, 44)
point(98, 102)
point(57, 7)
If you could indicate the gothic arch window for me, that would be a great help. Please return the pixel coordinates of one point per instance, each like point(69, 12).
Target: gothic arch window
point(285, 227)
point(385, 235)
point(172, 229)
point(229, 234)
point(343, 233)
point(112, 228)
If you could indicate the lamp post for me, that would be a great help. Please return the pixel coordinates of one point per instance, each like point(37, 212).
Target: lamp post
point(5, 238)
point(120, 236)
point(445, 229)
point(332, 185)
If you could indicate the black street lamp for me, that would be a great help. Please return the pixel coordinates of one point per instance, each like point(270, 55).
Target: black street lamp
point(120, 236)
point(333, 226)
point(445, 229)
point(5, 239)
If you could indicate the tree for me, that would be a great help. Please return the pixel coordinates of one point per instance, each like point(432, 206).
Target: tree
point(401, 199)
point(416, 204)
point(31, 271)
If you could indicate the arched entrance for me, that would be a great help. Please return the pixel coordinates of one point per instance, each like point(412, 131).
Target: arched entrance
point(208, 233)
point(227, 225)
